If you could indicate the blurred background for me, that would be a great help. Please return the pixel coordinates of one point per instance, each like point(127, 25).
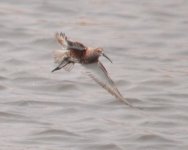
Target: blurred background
point(148, 43)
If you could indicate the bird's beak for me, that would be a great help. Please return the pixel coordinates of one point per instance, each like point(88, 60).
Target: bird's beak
point(107, 57)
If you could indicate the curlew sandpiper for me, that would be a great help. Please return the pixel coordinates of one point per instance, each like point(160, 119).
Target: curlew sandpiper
point(76, 52)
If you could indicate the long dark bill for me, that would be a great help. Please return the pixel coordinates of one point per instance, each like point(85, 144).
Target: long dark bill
point(107, 57)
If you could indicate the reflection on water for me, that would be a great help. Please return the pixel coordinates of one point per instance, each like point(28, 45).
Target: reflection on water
point(147, 41)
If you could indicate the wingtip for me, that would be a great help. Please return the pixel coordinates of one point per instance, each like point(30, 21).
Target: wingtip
point(55, 69)
point(62, 34)
point(130, 105)
point(52, 70)
point(56, 34)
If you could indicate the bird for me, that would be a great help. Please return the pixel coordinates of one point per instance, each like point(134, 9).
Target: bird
point(75, 52)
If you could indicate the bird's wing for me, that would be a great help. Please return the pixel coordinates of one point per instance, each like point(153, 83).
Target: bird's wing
point(63, 60)
point(68, 44)
point(59, 55)
point(99, 74)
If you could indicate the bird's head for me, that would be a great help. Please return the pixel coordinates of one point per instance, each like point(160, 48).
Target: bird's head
point(100, 51)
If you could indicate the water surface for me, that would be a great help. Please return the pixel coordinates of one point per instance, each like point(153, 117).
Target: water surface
point(147, 41)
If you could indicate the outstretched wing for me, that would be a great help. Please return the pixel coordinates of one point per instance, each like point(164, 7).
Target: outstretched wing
point(68, 44)
point(99, 74)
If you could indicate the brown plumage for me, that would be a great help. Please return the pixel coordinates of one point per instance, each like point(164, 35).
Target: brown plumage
point(76, 52)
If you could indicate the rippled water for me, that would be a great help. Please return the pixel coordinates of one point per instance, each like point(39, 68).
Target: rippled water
point(148, 43)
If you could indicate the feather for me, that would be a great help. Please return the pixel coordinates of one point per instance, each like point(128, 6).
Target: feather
point(69, 66)
point(68, 44)
point(60, 55)
point(63, 60)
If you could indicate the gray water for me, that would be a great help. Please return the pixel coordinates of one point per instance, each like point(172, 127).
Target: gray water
point(148, 43)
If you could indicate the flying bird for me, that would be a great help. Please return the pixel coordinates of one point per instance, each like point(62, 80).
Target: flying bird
point(76, 52)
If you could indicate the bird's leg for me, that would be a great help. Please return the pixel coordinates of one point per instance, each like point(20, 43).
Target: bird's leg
point(60, 66)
